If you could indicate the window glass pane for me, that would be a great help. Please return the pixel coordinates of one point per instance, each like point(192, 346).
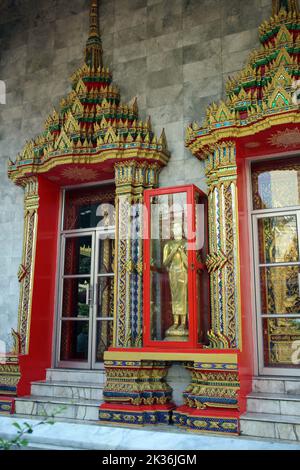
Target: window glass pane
point(104, 338)
point(278, 239)
point(279, 287)
point(78, 255)
point(76, 296)
point(281, 339)
point(276, 183)
point(169, 268)
point(74, 341)
point(89, 207)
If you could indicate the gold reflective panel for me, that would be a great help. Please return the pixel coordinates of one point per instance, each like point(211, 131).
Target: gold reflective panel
point(176, 262)
point(278, 239)
point(279, 286)
point(281, 338)
point(276, 183)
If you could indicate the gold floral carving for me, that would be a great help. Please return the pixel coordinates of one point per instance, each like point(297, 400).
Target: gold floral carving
point(289, 138)
point(26, 272)
point(79, 174)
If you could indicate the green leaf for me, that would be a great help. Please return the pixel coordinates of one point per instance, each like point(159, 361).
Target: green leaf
point(17, 425)
point(24, 443)
point(27, 425)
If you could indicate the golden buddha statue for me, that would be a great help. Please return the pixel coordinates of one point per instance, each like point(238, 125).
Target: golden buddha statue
point(176, 262)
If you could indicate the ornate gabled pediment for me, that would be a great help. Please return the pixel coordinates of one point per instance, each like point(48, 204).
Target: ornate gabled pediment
point(92, 116)
point(264, 90)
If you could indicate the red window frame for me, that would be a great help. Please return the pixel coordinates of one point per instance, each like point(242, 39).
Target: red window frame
point(193, 266)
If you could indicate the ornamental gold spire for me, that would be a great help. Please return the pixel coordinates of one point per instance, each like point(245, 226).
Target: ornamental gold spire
point(290, 6)
point(93, 50)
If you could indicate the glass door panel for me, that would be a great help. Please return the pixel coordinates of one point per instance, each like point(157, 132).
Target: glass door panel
point(74, 345)
point(104, 338)
point(78, 255)
point(86, 284)
point(106, 255)
point(104, 296)
point(279, 337)
point(278, 239)
point(76, 300)
point(278, 291)
point(279, 287)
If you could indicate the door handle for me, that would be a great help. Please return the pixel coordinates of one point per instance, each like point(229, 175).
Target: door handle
point(91, 295)
point(96, 293)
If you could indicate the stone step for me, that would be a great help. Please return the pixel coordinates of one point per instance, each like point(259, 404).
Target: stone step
point(273, 426)
point(273, 403)
point(89, 436)
point(288, 385)
point(73, 390)
point(86, 410)
point(76, 376)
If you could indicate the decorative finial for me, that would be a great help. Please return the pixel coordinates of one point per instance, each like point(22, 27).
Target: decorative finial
point(93, 50)
point(290, 6)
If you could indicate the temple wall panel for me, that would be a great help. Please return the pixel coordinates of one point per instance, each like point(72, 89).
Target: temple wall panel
point(172, 54)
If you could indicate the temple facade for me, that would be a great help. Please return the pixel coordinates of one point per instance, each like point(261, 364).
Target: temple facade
point(149, 296)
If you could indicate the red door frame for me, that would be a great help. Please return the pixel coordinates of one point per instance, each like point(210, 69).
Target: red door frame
point(192, 344)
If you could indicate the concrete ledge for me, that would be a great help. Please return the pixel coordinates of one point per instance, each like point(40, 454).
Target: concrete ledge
point(95, 437)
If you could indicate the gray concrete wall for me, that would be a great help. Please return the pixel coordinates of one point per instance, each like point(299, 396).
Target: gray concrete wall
point(174, 55)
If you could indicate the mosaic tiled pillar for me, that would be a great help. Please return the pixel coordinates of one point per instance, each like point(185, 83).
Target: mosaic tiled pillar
point(223, 259)
point(26, 270)
point(136, 392)
point(212, 386)
point(213, 389)
point(9, 378)
point(132, 179)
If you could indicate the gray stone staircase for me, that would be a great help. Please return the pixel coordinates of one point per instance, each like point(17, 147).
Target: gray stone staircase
point(67, 393)
point(273, 409)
